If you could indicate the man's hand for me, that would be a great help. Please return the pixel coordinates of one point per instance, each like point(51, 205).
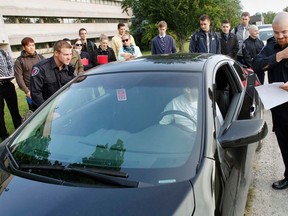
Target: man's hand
point(28, 94)
point(282, 55)
point(284, 86)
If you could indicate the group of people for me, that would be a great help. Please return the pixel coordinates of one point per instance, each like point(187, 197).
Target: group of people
point(39, 78)
point(88, 55)
point(240, 43)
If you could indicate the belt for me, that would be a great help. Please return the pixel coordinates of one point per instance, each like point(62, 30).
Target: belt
point(3, 81)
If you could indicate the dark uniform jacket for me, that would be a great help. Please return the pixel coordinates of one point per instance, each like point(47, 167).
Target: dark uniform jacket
point(229, 45)
point(109, 52)
point(266, 61)
point(198, 43)
point(46, 79)
point(250, 48)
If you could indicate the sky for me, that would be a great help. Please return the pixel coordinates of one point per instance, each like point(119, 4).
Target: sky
point(254, 6)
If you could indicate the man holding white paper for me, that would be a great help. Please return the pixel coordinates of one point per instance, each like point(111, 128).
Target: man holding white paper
point(274, 58)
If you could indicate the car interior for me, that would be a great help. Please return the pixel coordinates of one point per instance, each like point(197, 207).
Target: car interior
point(225, 88)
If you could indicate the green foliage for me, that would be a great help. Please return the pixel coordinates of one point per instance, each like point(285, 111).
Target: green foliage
point(33, 150)
point(110, 158)
point(182, 17)
point(268, 17)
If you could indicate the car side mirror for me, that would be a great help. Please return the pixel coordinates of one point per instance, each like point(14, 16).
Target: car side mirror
point(243, 132)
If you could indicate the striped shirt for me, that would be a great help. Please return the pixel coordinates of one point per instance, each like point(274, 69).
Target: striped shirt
point(6, 65)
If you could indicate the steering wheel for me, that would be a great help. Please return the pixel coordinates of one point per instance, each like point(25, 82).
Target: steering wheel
point(177, 112)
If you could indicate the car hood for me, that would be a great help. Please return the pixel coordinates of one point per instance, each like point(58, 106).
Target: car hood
point(20, 196)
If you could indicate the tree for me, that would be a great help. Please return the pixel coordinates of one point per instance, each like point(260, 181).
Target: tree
point(268, 17)
point(182, 16)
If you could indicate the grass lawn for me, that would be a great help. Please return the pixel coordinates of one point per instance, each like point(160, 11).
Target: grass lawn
point(23, 107)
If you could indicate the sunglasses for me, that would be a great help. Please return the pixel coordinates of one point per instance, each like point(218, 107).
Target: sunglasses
point(125, 40)
point(78, 44)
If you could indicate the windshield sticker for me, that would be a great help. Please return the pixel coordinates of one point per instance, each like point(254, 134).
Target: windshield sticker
point(121, 94)
point(167, 181)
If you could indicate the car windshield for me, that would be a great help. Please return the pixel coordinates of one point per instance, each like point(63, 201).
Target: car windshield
point(127, 122)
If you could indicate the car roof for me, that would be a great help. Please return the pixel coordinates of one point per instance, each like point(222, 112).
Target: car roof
point(266, 29)
point(172, 62)
point(265, 34)
point(264, 26)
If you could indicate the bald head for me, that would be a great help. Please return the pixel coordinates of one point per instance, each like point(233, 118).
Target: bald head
point(280, 17)
point(280, 28)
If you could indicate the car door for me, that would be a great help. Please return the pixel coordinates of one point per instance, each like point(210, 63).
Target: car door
point(252, 106)
point(229, 94)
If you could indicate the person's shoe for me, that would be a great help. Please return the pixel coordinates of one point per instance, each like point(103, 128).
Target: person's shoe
point(280, 185)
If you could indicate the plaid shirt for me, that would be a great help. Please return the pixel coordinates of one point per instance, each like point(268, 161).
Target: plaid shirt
point(6, 65)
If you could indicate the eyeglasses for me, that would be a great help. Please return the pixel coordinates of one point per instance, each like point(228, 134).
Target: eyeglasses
point(78, 44)
point(125, 40)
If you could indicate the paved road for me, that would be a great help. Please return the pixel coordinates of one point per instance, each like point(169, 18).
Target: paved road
point(268, 168)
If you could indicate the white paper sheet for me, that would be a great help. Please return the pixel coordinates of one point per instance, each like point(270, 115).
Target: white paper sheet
point(271, 95)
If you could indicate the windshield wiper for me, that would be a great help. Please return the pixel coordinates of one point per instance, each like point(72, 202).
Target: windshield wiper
point(105, 176)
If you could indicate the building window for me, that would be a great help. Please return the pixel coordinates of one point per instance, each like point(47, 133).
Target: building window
point(9, 20)
point(87, 20)
point(70, 20)
point(51, 20)
point(17, 20)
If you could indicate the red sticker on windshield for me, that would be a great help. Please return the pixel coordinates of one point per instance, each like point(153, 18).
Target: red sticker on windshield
point(121, 95)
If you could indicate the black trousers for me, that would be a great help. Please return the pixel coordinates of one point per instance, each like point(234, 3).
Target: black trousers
point(280, 127)
point(8, 94)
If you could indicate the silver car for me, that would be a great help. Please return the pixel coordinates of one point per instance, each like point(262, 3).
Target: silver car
point(160, 135)
point(265, 34)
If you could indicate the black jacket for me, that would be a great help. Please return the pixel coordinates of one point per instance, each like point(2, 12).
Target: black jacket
point(266, 60)
point(90, 47)
point(250, 48)
point(46, 79)
point(198, 43)
point(229, 45)
point(109, 52)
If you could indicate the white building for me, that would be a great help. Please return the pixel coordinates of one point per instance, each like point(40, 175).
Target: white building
point(47, 21)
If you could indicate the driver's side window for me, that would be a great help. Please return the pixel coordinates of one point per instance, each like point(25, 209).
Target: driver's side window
point(225, 89)
point(222, 92)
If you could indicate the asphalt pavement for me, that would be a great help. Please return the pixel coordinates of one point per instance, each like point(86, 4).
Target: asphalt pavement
point(268, 167)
